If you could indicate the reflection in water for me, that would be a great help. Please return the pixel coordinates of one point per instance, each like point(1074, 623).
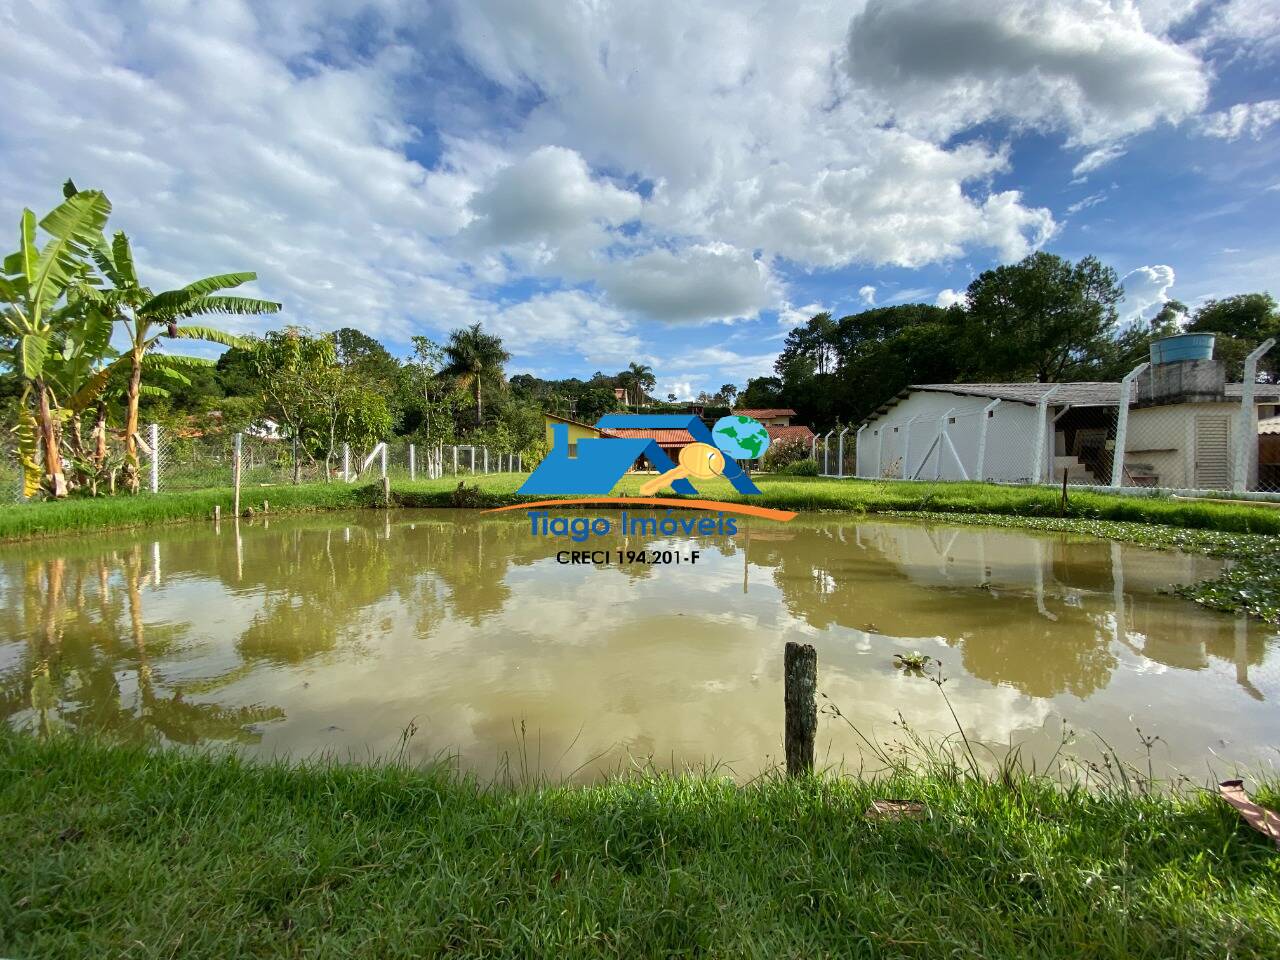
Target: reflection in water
point(334, 633)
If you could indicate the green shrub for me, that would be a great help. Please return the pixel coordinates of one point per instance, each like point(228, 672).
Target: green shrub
point(783, 453)
point(800, 468)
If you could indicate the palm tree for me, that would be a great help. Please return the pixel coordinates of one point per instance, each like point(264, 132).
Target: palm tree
point(473, 356)
point(640, 376)
point(147, 316)
point(33, 283)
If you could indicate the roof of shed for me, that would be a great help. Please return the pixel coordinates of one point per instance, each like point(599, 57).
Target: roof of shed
point(1078, 393)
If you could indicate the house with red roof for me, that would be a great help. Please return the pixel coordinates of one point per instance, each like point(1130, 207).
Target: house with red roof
point(777, 421)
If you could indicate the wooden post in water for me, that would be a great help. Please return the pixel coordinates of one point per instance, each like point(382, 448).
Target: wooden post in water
point(236, 474)
point(266, 507)
point(217, 513)
point(386, 492)
point(800, 692)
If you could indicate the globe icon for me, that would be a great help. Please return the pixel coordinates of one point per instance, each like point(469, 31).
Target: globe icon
point(741, 438)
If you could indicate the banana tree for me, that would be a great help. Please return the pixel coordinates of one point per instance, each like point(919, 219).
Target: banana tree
point(34, 285)
point(148, 316)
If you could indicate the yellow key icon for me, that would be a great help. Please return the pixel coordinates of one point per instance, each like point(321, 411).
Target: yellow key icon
point(698, 461)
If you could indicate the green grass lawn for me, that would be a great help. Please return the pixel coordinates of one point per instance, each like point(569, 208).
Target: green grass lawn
point(120, 852)
point(21, 520)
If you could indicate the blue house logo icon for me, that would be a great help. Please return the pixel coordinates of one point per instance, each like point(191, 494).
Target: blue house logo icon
point(596, 464)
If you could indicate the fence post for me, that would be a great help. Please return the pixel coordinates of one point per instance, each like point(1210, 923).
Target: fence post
point(384, 461)
point(840, 454)
point(486, 459)
point(1122, 425)
point(1247, 435)
point(880, 450)
point(981, 472)
point(235, 475)
point(906, 444)
point(942, 437)
point(412, 466)
point(799, 694)
point(857, 450)
point(1042, 425)
point(826, 454)
point(154, 435)
point(813, 449)
point(519, 462)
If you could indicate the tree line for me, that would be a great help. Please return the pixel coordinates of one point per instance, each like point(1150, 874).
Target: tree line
point(1042, 319)
point(86, 356)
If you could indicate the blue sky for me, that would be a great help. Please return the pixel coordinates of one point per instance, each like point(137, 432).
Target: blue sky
point(666, 182)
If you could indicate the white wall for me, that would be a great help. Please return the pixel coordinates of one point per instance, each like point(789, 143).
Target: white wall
point(1011, 437)
point(1164, 437)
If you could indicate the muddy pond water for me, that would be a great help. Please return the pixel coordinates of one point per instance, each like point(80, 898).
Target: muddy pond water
point(337, 634)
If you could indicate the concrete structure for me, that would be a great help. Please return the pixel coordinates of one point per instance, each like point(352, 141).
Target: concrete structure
point(1182, 431)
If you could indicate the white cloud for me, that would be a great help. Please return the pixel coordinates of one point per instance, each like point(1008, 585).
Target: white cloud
point(791, 316)
point(613, 166)
point(1145, 288)
point(1085, 203)
point(1088, 68)
point(569, 319)
point(746, 134)
point(713, 281)
point(1096, 159)
point(683, 389)
point(949, 298)
point(1243, 119)
point(1251, 27)
point(545, 197)
point(867, 295)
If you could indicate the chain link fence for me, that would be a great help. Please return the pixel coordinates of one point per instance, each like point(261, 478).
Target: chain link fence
point(1153, 431)
point(834, 453)
point(198, 462)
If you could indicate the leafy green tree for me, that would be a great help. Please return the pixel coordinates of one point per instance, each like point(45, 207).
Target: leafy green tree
point(473, 358)
point(638, 379)
point(40, 289)
point(147, 316)
point(762, 393)
point(1044, 316)
point(1241, 322)
point(293, 368)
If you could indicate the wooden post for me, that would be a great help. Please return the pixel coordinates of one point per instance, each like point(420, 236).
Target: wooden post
point(266, 507)
point(1062, 509)
point(800, 691)
point(386, 492)
point(217, 513)
point(236, 474)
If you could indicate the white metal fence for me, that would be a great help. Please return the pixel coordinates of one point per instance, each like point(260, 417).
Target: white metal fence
point(1172, 438)
point(191, 463)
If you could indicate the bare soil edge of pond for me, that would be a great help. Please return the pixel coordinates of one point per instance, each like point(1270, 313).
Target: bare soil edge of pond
point(115, 850)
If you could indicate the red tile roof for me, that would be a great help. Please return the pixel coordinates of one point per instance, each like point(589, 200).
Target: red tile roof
point(765, 413)
point(665, 438)
point(794, 432)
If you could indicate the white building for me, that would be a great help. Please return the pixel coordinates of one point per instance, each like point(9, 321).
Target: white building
point(1182, 431)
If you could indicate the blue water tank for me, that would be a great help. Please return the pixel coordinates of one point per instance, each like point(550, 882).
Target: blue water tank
point(1183, 346)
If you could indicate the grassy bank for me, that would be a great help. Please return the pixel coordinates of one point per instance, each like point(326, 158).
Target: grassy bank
point(792, 493)
point(121, 852)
